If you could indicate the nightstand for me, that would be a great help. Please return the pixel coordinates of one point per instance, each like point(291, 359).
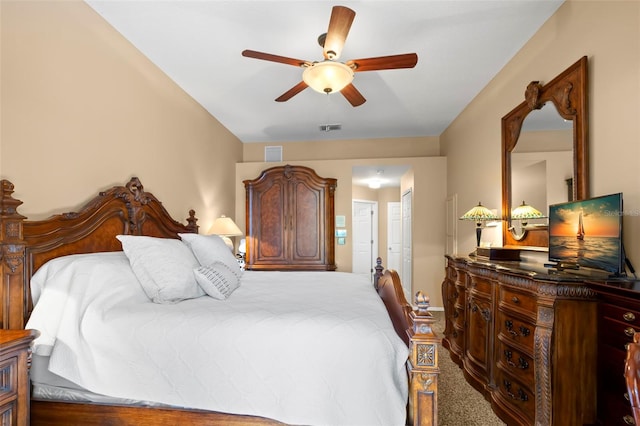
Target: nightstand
point(15, 360)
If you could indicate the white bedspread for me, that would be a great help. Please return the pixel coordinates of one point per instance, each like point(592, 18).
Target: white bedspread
point(299, 347)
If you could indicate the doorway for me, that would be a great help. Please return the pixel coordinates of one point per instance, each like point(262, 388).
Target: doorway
point(407, 266)
point(394, 236)
point(365, 237)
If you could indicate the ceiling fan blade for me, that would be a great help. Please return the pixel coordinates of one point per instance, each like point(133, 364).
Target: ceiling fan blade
point(292, 92)
point(407, 60)
point(339, 25)
point(273, 58)
point(354, 97)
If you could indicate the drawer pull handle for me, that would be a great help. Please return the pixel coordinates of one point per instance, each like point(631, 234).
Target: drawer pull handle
point(521, 396)
point(626, 396)
point(515, 299)
point(509, 325)
point(524, 331)
point(628, 420)
point(629, 331)
point(522, 363)
point(509, 355)
point(485, 313)
point(629, 316)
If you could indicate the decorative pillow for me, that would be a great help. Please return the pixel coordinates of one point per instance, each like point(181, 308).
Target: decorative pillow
point(217, 279)
point(164, 267)
point(211, 248)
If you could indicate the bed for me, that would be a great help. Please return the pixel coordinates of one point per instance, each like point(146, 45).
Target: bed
point(225, 361)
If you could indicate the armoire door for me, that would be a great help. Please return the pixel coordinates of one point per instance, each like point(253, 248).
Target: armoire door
point(306, 207)
point(268, 223)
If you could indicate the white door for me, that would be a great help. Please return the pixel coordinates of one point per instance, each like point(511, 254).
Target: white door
point(394, 236)
point(407, 269)
point(365, 237)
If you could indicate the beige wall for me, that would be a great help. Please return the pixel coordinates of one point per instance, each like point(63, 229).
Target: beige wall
point(428, 146)
point(608, 32)
point(429, 189)
point(82, 110)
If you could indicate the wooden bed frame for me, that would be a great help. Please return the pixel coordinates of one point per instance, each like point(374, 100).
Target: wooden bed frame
point(27, 245)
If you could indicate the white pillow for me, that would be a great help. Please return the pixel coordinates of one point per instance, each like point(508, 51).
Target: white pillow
point(217, 279)
point(164, 267)
point(211, 248)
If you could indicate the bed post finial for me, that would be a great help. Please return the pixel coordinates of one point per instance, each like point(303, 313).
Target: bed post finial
point(191, 222)
point(379, 271)
point(14, 305)
point(423, 364)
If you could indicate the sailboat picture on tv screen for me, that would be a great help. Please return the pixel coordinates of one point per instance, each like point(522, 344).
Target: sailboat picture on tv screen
point(588, 233)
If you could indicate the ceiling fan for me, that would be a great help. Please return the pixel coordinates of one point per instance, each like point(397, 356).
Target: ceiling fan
point(329, 75)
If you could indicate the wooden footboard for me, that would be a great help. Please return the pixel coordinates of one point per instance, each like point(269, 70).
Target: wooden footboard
point(414, 326)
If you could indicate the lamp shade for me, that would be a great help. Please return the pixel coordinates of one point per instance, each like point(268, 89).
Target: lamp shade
point(525, 211)
point(327, 76)
point(225, 226)
point(479, 213)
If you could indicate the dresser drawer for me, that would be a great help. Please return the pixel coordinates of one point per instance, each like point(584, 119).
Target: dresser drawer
point(516, 394)
point(516, 363)
point(457, 338)
point(452, 274)
point(8, 378)
point(615, 410)
point(517, 301)
point(9, 413)
point(457, 317)
point(616, 333)
point(515, 331)
point(459, 295)
point(481, 285)
point(621, 313)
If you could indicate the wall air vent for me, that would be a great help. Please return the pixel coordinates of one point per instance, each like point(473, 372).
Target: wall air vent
point(272, 154)
point(330, 127)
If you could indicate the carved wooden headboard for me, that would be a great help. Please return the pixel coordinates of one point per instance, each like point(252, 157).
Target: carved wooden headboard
point(27, 245)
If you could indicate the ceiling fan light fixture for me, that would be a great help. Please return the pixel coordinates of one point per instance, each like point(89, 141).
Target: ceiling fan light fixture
point(327, 76)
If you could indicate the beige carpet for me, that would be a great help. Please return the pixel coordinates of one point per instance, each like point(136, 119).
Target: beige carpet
point(458, 402)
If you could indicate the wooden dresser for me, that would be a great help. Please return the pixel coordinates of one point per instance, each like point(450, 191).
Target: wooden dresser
point(15, 361)
point(290, 220)
point(525, 338)
point(618, 320)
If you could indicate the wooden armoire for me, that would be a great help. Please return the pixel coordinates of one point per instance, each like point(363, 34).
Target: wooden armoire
point(290, 220)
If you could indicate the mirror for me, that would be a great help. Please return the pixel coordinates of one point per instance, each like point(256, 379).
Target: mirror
point(547, 164)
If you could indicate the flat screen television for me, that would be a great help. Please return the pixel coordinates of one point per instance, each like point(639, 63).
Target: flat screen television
point(588, 233)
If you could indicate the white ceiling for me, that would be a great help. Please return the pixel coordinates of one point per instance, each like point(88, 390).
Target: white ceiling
point(461, 45)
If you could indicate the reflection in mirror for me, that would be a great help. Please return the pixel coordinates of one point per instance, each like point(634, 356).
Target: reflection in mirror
point(541, 164)
point(524, 214)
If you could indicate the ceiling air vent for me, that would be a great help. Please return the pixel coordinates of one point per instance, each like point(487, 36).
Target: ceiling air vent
point(272, 154)
point(330, 127)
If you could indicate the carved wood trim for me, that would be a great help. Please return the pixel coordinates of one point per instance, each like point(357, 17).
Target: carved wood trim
point(569, 93)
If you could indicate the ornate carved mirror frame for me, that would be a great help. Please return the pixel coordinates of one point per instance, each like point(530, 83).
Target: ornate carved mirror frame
point(569, 93)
